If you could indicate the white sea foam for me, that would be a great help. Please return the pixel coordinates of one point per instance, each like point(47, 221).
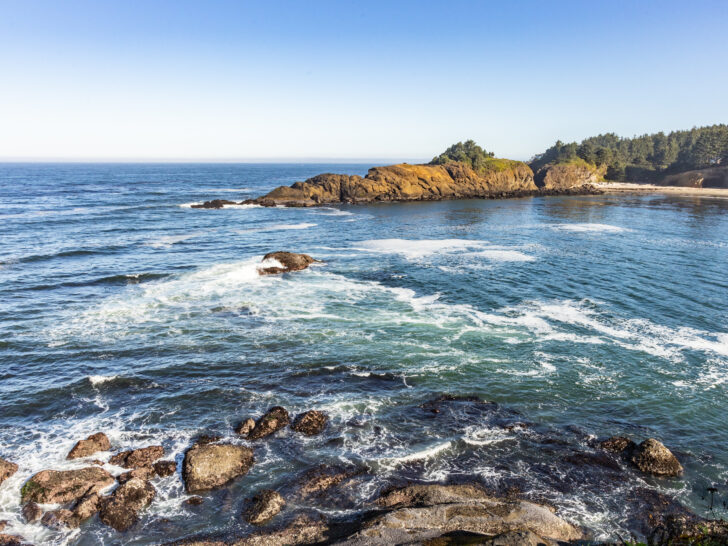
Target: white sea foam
point(100, 379)
point(279, 227)
point(588, 227)
point(237, 206)
point(418, 248)
point(169, 240)
point(500, 255)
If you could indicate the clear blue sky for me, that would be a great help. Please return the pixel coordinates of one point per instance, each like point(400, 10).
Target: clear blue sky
point(350, 79)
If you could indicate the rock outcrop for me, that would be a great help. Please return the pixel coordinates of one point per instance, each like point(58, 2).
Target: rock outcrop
point(310, 423)
point(572, 174)
point(714, 177)
point(164, 468)
point(61, 486)
point(214, 204)
point(121, 510)
point(265, 505)
point(289, 261)
point(137, 458)
point(245, 427)
point(207, 466)
point(89, 446)
point(7, 469)
point(274, 419)
point(652, 457)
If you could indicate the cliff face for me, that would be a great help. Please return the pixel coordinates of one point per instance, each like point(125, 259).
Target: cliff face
point(567, 175)
point(404, 182)
point(715, 177)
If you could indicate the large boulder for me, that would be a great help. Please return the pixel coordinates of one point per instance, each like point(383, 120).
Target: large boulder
point(274, 419)
point(652, 457)
point(206, 466)
point(310, 423)
point(89, 446)
point(265, 505)
point(302, 530)
point(289, 261)
point(137, 458)
point(121, 510)
point(7, 469)
point(61, 486)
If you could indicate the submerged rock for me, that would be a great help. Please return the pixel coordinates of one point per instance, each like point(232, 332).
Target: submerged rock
point(245, 427)
point(121, 510)
point(137, 458)
point(265, 505)
point(274, 419)
point(214, 204)
point(320, 479)
point(164, 468)
point(310, 423)
point(618, 444)
point(194, 501)
point(89, 446)
point(7, 469)
point(290, 261)
point(58, 519)
point(211, 465)
point(652, 457)
point(61, 486)
point(32, 512)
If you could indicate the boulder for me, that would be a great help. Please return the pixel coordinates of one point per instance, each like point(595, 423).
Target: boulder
point(245, 427)
point(194, 501)
point(290, 261)
point(89, 446)
point(61, 486)
point(87, 506)
point(618, 444)
point(310, 423)
point(11, 540)
point(137, 458)
point(264, 506)
point(322, 478)
point(121, 509)
point(275, 419)
point(424, 512)
point(652, 457)
point(165, 468)
point(7, 469)
point(32, 512)
point(302, 530)
point(211, 465)
point(58, 519)
point(143, 473)
point(214, 204)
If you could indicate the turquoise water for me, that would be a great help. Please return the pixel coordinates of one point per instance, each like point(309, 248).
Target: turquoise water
point(124, 310)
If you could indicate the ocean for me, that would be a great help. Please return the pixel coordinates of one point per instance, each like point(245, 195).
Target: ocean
point(126, 311)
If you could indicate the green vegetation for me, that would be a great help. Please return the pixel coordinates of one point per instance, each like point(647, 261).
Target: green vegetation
point(645, 157)
point(473, 156)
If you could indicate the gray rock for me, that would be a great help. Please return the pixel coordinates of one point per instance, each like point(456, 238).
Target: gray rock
point(212, 465)
point(652, 457)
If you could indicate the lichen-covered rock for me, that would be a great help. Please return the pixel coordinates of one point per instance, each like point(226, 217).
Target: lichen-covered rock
point(89, 446)
point(289, 261)
point(121, 510)
point(32, 512)
point(164, 468)
point(652, 457)
point(274, 419)
point(245, 427)
point(61, 486)
point(137, 458)
point(310, 423)
point(212, 465)
point(265, 505)
point(7, 469)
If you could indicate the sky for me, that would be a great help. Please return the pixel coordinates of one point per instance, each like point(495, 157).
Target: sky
point(347, 80)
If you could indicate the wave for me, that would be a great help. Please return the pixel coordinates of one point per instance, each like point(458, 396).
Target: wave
point(588, 227)
point(278, 227)
point(169, 240)
point(418, 249)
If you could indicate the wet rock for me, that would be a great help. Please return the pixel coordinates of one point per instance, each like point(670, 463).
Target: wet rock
point(593, 459)
point(137, 458)
point(652, 457)
point(214, 204)
point(690, 530)
point(143, 473)
point(11, 540)
point(165, 468)
point(302, 530)
point(322, 478)
point(518, 538)
point(89, 446)
point(7, 469)
point(618, 444)
point(3, 524)
point(87, 506)
point(290, 261)
point(194, 501)
point(275, 419)
point(58, 519)
point(212, 465)
point(32, 512)
point(310, 423)
point(61, 486)
point(424, 512)
point(207, 439)
point(245, 427)
point(265, 505)
point(121, 510)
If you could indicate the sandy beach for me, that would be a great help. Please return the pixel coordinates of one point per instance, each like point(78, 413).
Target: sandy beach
point(625, 187)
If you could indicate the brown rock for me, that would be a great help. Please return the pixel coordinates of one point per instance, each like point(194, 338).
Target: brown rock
point(212, 465)
point(54, 486)
point(137, 458)
point(11, 540)
point(89, 446)
point(32, 512)
point(194, 501)
point(289, 261)
point(245, 427)
point(7, 469)
point(143, 473)
point(275, 419)
point(320, 479)
point(652, 457)
point(302, 530)
point(518, 538)
point(265, 505)
point(121, 510)
point(87, 506)
point(58, 519)
point(214, 204)
point(165, 468)
point(3, 524)
point(568, 175)
point(310, 423)
point(618, 444)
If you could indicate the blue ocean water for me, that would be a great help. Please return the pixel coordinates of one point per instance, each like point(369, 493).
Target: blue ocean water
point(124, 310)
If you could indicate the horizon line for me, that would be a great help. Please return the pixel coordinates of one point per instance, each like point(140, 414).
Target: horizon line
point(172, 160)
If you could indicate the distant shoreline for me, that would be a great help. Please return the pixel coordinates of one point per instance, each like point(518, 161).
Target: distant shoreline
point(627, 187)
